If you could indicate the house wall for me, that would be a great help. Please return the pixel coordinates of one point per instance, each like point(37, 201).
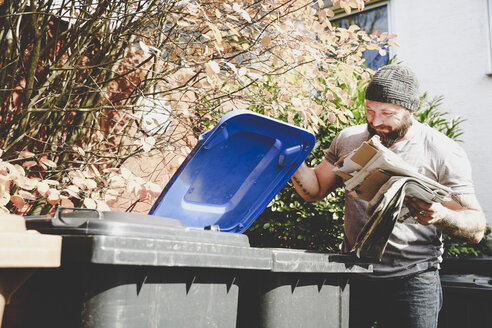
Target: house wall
point(447, 43)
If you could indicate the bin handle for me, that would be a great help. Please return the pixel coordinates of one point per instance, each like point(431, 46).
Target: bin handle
point(58, 220)
point(482, 282)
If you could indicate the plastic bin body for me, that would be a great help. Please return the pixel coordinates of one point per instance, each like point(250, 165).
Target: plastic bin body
point(96, 295)
point(467, 301)
point(118, 273)
point(467, 292)
point(303, 289)
point(294, 300)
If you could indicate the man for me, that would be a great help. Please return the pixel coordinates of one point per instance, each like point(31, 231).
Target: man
point(404, 290)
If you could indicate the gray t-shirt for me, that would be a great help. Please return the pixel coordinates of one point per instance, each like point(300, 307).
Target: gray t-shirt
point(412, 247)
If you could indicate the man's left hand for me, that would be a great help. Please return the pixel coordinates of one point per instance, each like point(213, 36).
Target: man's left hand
point(424, 212)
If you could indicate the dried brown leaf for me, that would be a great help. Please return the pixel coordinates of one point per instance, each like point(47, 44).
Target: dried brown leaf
point(18, 201)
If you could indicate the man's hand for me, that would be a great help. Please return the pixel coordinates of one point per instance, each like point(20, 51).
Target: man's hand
point(461, 217)
point(424, 212)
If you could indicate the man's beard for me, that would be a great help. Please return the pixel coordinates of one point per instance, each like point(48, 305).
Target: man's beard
point(390, 138)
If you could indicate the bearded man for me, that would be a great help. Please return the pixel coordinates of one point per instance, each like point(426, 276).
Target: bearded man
point(404, 289)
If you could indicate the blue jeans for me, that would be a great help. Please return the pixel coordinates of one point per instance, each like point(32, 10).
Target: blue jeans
point(408, 302)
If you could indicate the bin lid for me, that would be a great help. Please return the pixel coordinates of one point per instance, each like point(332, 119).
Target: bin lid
point(467, 265)
point(472, 281)
point(90, 222)
point(234, 171)
point(297, 260)
point(120, 238)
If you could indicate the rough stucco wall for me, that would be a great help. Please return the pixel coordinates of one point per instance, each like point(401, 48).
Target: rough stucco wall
point(447, 43)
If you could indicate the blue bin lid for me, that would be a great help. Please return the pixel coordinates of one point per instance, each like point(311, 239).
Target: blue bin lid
point(234, 171)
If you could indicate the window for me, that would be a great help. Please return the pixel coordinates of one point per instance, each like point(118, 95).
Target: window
point(370, 20)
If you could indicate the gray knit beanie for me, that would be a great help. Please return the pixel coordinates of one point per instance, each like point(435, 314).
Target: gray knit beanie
point(395, 84)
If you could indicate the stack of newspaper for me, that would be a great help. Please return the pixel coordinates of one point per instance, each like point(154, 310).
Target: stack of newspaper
point(376, 174)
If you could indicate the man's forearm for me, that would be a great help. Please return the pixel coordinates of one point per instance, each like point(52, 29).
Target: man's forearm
point(469, 223)
point(306, 183)
point(315, 184)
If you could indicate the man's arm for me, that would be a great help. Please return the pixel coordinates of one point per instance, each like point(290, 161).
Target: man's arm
point(462, 217)
point(315, 184)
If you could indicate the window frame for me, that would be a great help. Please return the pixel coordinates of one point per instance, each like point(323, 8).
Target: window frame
point(489, 4)
point(340, 13)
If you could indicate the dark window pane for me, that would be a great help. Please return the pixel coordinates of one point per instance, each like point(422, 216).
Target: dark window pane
point(370, 21)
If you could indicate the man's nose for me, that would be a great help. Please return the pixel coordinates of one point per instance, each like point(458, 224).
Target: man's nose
point(377, 120)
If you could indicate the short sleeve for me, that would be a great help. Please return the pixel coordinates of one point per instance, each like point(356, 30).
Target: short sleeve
point(345, 142)
point(332, 155)
point(455, 171)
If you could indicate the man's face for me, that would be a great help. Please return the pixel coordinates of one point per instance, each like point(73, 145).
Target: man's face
point(391, 122)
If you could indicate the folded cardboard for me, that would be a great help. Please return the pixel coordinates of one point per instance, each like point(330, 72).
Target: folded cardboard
point(371, 185)
point(364, 153)
point(374, 180)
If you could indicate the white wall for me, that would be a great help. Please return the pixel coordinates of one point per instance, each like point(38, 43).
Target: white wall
point(447, 43)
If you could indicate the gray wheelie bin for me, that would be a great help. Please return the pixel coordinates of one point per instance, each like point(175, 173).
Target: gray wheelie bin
point(130, 270)
point(467, 293)
point(165, 269)
point(303, 289)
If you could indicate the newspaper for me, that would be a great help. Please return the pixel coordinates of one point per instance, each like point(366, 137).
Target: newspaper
point(386, 207)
